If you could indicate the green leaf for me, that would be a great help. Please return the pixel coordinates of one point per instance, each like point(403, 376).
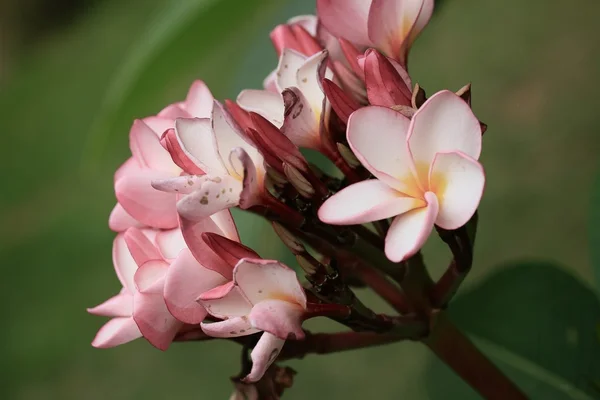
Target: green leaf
point(595, 231)
point(538, 324)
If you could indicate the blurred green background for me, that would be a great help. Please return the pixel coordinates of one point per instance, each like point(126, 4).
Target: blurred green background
point(74, 74)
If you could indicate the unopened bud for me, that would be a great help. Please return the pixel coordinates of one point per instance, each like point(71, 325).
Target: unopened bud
point(306, 265)
point(298, 181)
point(276, 177)
point(289, 239)
point(465, 93)
point(348, 155)
point(418, 96)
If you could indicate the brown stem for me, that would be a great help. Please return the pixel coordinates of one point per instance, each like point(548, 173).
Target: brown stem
point(328, 343)
point(459, 353)
point(382, 286)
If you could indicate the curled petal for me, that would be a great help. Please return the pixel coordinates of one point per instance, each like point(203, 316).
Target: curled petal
point(263, 355)
point(119, 220)
point(444, 123)
point(213, 196)
point(301, 124)
point(146, 148)
point(153, 319)
point(225, 301)
point(391, 23)
point(125, 265)
point(366, 201)
point(140, 247)
point(385, 86)
point(377, 135)
point(159, 124)
point(184, 184)
point(115, 332)
point(252, 184)
point(196, 139)
point(150, 277)
point(458, 182)
point(186, 279)
point(410, 230)
point(144, 203)
point(180, 157)
point(268, 104)
point(279, 318)
point(120, 305)
point(199, 100)
point(226, 225)
point(289, 63)
point(309, 76)
point(233, 327)
point(346, 19)
point(267, 279)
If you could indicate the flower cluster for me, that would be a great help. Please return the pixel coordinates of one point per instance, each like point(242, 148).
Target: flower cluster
point(405, 164)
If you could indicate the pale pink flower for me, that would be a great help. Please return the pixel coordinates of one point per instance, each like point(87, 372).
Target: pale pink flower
point(388, 25)
point(264, 296)
point(139, 309)
point(426, 169)
point(298, 105)
point(233, 168)
point(138, 203)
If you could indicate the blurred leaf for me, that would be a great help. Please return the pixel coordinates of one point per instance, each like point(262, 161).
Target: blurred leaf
point(595, 231)
point(538, 323)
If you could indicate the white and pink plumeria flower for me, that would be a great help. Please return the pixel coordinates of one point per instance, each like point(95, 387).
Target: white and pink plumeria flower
point(264, 295)
point(139, 309)
point(298, 106)
point(426, 168)
point(226, 169)
point(388, 25)
point(139, 204)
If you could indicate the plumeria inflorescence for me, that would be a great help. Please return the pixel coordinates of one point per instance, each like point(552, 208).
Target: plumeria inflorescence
point(404, 165)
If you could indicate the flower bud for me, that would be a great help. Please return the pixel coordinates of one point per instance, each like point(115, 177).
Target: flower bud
point(348, 155)
point(292, 242)
point(298, 181)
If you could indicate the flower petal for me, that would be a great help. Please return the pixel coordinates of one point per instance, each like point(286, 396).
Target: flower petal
point(346, 19)
point(144, 203)
point(119, 220)
point(159, 124)
point(124, 263)
point(225, 301)
point(366, 201)
point(224, 221)
point(213, 196)
point(146, 148)
point(229, 136)
point(153, 319)
point(377, 135)
point(268, 104)
point(289, 63)
point(458, 182)
point(141, 248)
point(178, 154)
point(309, 76)
point(196, 138)
point(267, 279)
point(120, 305)
point(252, 184)
point(199, 100)
point(150, 277)
point(444, 123)
point(342, 104)
point(233, 327)
point(279, 318)
point(410, 230)
point(170, 243)
point(187, 279)
point(385, 86)
point(301, 124)
point(115, 332)
point(263, 355)
point(390, 25)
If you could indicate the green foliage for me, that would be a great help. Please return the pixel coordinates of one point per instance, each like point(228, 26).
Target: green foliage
point(538, 323)
point(595, 232)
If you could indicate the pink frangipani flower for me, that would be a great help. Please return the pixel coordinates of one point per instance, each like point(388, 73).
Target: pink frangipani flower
point(264, 295)
point(299, 105)
point(388, 25)
point(139, 309)
point(426, 168)
point(138, 203)
point(233, 168)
